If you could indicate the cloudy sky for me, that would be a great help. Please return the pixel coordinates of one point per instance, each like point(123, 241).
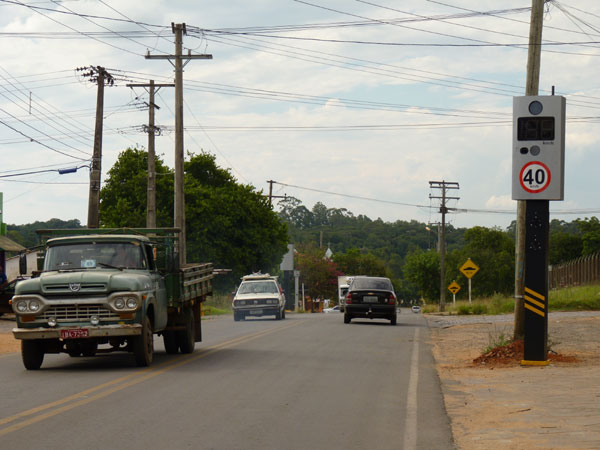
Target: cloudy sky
point(356, 104)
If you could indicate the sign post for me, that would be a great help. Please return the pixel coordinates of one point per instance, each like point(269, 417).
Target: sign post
point(454, 287)
point(469, 269)
point(538, 158)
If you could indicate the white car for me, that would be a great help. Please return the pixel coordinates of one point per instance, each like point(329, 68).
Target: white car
point(336, 308)
point(416, 309)
point(259, 295)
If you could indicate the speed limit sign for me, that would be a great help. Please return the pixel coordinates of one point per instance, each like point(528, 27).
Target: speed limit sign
point(535, 177)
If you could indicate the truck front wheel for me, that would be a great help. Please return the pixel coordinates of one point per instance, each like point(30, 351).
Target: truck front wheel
point(186, 337)
point(32, 354)
point(143, 345)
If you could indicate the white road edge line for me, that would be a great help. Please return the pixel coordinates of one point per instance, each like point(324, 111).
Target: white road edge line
point(410, 429)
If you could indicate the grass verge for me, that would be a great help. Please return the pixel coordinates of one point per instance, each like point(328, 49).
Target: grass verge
point(217, 305)
point(577, 298)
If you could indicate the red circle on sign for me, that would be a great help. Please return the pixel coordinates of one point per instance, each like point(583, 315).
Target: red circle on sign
point(537, 178)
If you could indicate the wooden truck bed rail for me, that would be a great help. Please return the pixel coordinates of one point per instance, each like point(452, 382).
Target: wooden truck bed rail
point(197, 281)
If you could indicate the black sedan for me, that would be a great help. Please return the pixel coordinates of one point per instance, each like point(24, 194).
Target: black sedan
point(371, 298)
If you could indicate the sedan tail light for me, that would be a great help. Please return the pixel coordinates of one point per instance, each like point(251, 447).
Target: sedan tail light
point(349, 298)
point(391, 298)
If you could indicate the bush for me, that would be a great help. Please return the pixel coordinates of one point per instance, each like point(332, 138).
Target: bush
point(479, 308)
point(464, 310)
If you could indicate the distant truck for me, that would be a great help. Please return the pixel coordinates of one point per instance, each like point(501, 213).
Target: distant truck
point(343, 286)
point(114, 287)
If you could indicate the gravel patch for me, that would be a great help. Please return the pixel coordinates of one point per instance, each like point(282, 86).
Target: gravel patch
point(450, 321)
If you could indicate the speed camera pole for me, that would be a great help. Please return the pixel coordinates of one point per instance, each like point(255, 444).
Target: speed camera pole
point(538, 161)
point(531, 88)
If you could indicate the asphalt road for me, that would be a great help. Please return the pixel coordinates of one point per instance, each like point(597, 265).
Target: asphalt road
point(307, 382)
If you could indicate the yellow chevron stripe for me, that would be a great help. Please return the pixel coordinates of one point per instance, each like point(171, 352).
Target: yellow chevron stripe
point(535, 310)
point(535, 294)
point(535, 302)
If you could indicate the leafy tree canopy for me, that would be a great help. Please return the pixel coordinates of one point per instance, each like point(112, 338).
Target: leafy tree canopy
point(227, 223)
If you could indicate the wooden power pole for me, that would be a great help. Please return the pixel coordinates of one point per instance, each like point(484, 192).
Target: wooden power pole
point(100, 76)
point(443, 186)
point(179, 214)
point(531, 88)
point(153, 88)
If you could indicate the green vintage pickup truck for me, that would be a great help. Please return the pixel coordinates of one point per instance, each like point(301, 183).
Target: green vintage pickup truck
point(105, 290)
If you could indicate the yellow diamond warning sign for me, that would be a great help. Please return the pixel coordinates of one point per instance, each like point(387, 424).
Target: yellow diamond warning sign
point(469, 268)
point(454, 287)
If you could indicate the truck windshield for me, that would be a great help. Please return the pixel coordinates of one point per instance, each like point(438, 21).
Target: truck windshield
point(89, 255)
point(258, 287)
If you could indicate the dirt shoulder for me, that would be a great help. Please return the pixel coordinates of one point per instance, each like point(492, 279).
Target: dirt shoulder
point(500, 406)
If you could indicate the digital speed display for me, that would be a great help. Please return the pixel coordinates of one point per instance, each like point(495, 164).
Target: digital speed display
point(535, 129)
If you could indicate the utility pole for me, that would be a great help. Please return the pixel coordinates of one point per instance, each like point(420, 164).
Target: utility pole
point(179, 30)
point(531, 88)
point(443, 186)
point(152, 130)
point(271, 196)
point(100, 76)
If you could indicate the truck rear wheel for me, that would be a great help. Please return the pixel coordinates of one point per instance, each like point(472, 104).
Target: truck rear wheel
point(143, 345)
point(32, 354)
point(170, 341)
point(186, 338)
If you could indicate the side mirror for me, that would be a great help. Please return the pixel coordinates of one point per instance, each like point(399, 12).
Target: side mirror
point(23, 263)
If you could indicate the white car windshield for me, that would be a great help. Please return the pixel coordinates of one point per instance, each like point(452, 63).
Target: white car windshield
point(258, 287)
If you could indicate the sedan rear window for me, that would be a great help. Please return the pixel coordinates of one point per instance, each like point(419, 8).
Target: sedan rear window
point(372, 283)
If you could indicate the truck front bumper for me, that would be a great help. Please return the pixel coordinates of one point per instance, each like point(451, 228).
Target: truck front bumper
point(93, 331)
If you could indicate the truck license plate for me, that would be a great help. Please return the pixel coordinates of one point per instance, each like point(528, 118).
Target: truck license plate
point(74, 334)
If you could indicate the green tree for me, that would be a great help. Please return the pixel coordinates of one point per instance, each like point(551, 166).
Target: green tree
point(26, 234)
point(318, 273)
point(590, 229)
point(564, 247)
point(227, 223)
point(353, 262)
point(123, 196)
point(422, 269)
point(493, 251)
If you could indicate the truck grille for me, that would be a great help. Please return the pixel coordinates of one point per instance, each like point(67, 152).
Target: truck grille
point(82, 288)
point(78, 313)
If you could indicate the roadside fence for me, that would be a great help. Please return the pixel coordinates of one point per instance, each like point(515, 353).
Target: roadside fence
point(583, 270)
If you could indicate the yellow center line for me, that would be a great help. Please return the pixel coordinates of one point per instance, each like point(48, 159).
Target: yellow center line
point(122, 383)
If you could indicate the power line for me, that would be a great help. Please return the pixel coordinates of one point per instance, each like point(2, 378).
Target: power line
point(38, 142)
point(35, 9)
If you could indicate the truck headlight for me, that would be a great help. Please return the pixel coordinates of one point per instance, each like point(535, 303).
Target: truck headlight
point(34, 306)
point(131, 302)
point(22, 306)
point(120, 303)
